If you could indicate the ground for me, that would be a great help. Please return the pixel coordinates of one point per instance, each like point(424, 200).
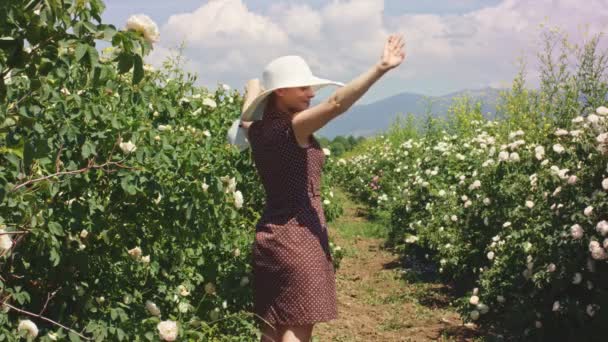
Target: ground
point(376, 302)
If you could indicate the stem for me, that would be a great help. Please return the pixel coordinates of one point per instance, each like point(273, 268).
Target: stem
point(45, 319)
point(83, 170)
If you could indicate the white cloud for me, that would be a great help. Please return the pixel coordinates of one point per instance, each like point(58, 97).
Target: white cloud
point(230, 43)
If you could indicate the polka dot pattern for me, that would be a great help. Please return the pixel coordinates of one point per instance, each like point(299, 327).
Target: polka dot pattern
point(293, 273)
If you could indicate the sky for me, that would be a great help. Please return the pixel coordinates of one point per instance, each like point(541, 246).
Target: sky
point(451, 45)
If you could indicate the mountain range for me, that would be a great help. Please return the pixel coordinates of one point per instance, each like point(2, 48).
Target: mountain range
point(376, 117)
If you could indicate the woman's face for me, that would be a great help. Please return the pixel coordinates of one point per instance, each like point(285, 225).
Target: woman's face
point(295, 99)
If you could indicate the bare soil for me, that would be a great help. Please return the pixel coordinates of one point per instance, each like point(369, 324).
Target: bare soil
point(376, 302)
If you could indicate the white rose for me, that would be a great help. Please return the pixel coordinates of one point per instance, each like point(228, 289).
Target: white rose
point(556, 305)
point(167, 330)
point(490, 255)
point(503, 156)
point(592, 118)
point(578, 119)
point(5, 241)
point(529, 204)
point(601, 111)
point(143, 24)
point(152, 308)
point(210, 288)
point(84, 233)
point(572, 180)
point(577, 278)
point(576, 231)
point(238, 199)
point(605, 184)
point(599, 253)
point(197, 111)
point(476, 185)
point(551, 267)
point(145, 259)
point(127, 147)
point(210, 102)
point(588, 211)
point(514, 156)
point(561, 132)
point(591, 309)
point(29, 326)
point(602, 227)
point(474, 300)
point(558, 148)
point(183, 291)
point(326, 151)
point(135, 253)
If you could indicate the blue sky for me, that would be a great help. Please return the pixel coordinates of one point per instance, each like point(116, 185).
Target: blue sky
point(451, 44)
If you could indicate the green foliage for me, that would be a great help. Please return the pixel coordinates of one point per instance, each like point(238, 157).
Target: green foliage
point(494, 204)
point(117, 186)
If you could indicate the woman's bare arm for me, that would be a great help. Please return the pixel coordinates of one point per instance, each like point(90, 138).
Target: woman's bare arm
point(252, 89)
point(312, 119)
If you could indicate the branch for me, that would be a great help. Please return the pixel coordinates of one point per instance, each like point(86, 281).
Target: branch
point(83, 170)
point(19, 232)
point(45, 319)
point(48, 298)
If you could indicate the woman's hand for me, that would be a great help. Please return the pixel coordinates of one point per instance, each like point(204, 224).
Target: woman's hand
point(392, 54)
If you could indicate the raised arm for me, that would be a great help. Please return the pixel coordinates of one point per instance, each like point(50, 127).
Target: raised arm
point(311, 119)
point(252, 89)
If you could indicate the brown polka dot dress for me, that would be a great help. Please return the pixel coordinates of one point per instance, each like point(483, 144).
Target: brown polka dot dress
point(293, 273)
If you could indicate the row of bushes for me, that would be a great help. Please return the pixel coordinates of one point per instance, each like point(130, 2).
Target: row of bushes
point(124, 214)
point(514, 210)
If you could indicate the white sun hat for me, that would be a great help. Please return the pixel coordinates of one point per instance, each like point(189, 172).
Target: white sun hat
point(283, 72)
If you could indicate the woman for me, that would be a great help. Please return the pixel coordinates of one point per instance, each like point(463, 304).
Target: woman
point(293, 274)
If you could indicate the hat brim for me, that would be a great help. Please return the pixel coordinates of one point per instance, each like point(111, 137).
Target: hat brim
point(255, 110)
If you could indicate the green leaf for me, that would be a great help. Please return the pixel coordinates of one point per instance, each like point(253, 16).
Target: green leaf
point(55, 257)
point(138, 69)
point(74, 337)
point(125, 63)
point(55, 228)
point(88, 149)
point(108, 33)
point(81, 50)
point(93, 56)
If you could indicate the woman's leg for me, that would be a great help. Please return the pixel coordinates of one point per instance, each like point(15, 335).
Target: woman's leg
point(301, 333)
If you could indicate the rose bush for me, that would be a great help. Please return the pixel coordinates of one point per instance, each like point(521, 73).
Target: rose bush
point(513, 210)
point(124, 214)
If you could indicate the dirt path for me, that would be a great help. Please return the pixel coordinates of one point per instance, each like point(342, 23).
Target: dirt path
point(375, 303)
